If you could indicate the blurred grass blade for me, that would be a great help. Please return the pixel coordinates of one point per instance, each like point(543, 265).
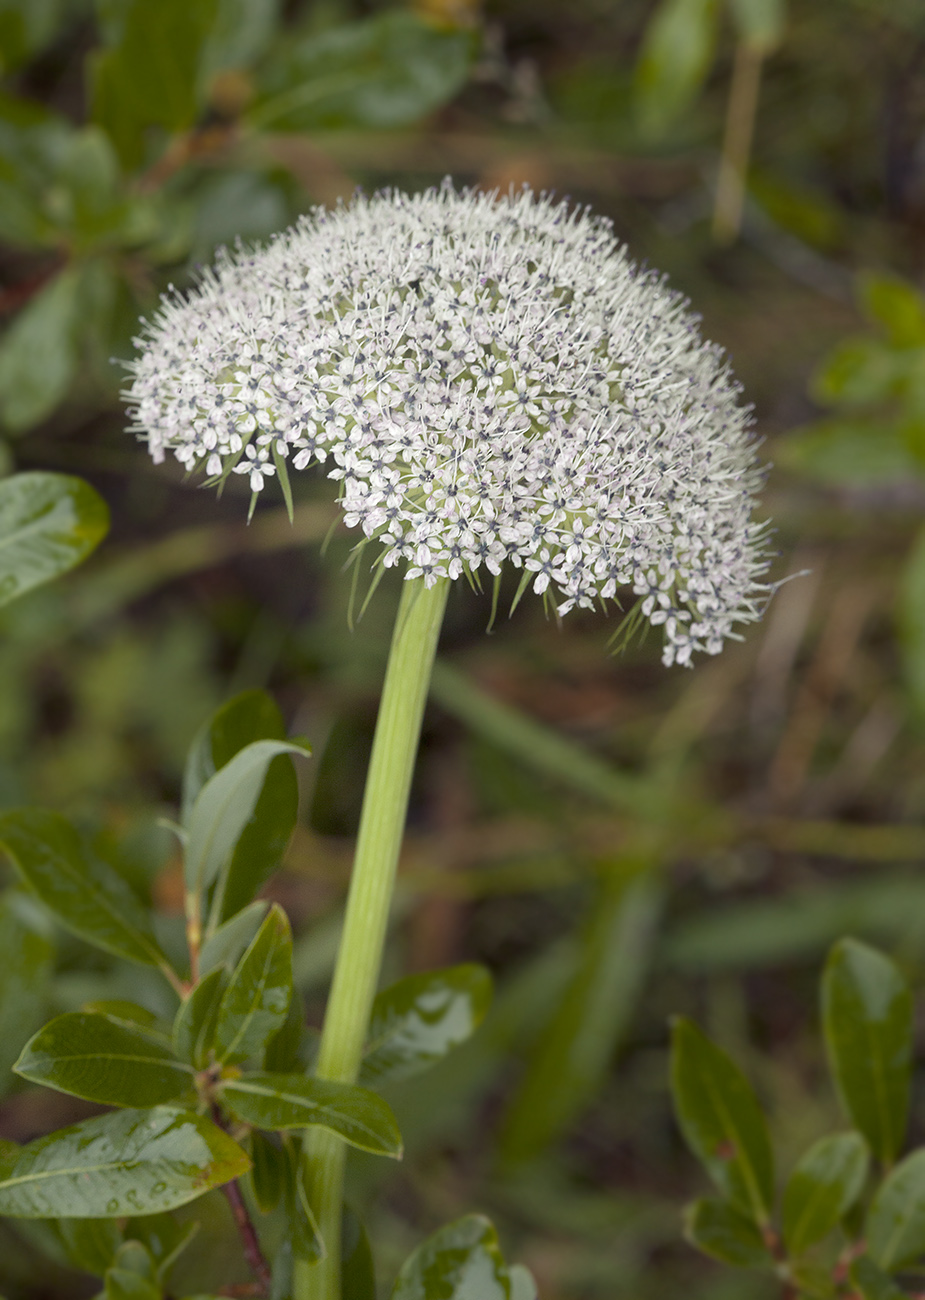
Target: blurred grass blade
point(570, 1061)
point(867, 1020)
point(722, 1122)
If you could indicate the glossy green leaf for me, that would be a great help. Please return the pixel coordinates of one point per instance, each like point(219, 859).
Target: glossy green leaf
point(418, 1020)
point(676, 54)
point(224, 807)
point(293, 1101)
point(268, 1171)
point(722, 1122)
point(48, 524)
point(39, 352)
point(357, 1273)
point(25, 975)
point(461, 1261)
point(149, 76)
point(125, 1162)
point(383, 71)
point(163, 1237)
point(570, 1061)
point(197, 1015)
point(871, 1283)
point(304, 1235)
point(226, 944)
point(867, 1021)
point(103, 1060)
point(85, 893)
point(129, 1013)
point(895, 1227)
point(719, 1231)
point(251, 716)
point(255, 1003)
point(822, 1189)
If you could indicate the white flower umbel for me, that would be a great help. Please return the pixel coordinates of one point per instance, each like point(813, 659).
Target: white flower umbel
point(491, 380)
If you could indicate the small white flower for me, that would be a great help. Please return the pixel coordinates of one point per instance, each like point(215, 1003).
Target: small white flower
point(492, 380)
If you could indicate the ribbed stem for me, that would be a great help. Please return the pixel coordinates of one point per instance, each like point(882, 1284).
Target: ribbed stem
point(356, 975)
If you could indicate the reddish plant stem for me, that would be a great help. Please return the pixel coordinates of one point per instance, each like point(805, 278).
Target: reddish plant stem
point(252, 1252)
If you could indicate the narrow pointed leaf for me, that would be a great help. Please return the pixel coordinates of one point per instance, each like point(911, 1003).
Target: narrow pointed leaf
point(719, 1231)
point(251, 716)
point(255, 1003)
point(421, 1018)
point(121, 1284)
point(225, 945)
point(721, 1120)
point(459, 1262)
point(867, 1020)
point(292, 1101)
point(125, 1162)
point(197, 1015)
point(103, 1060)
point(895, 1227)
point(48, 523)
point(822, 1189)
point(268, 1172)
point(86, 894)
point(225, 805)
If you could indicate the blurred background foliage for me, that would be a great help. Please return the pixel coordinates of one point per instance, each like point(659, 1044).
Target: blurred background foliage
point(618, 843)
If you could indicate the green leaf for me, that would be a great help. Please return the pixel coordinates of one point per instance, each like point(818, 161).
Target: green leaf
point(292, 1101)
point(255, 1003)
point(385, 71)
point(418, 1020)
point(305, 1239)
point(125, 1162)
point(225, 945)
point(103, 1060)
point(676, 54)
point(895, 305)
point(857, 372)
point(895, 1227)
point(523, 1284)
point(85, 893)
point(134, 1257)
point(292, 1047)
point(121, 1284)
point(722, 1122)
point(240, 34)
point(867, 1021)
point(760, 23)
point(25, 975)
point(90, 1244)
point(910, 621)
point(223, 808)
point(48, 523)
point(871, 1283)
point(822, 1189)
point(27, 27)
point(357, 1273)
point(461, 1261)
point(129, 1013)
point(196, 1018)
point(39, 353)
point(719, 1231)
point(250, 716)
point(149, 77)
point(269, 1164)
point(570, 1061)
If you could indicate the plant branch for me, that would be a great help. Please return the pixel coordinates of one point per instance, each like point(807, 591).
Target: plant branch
point(248, 1234)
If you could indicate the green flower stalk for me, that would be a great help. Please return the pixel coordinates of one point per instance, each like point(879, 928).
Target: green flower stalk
point(490, 381)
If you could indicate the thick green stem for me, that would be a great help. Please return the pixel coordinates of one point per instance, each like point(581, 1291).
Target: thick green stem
point(356, 975)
